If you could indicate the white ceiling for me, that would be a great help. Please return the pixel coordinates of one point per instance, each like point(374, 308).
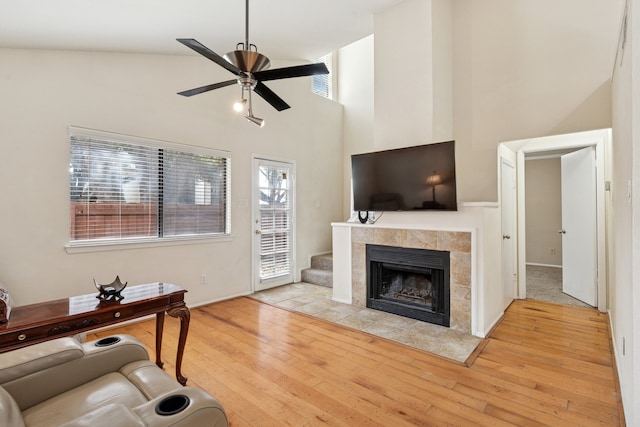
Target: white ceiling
point(282, 29)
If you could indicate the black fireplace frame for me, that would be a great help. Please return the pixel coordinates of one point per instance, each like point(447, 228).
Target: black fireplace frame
point(409, 259)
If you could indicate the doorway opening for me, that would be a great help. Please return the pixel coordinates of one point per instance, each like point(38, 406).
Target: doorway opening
point(520, 150)
point(545, 232)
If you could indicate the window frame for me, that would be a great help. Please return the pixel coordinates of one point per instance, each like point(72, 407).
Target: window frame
point(116, 243)
point(330, 60)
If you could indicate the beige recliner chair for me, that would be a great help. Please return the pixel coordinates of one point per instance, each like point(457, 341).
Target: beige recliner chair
point(109, 382)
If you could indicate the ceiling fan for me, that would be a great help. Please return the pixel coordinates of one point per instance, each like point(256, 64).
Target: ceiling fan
point(251, 70)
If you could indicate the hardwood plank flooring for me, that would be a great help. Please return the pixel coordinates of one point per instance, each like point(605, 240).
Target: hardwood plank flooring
point(543, 365)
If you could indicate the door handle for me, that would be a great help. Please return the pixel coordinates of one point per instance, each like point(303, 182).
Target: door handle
point(562, 231)
point(258, 232)
point(506, 236)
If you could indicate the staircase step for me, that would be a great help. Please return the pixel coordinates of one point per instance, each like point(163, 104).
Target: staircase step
point(317, 277)
point(322, 262)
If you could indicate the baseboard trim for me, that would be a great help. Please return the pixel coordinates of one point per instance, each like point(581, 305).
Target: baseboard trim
point(492, 326)
point(343, 301)
point(616, 368)
point(213, 301)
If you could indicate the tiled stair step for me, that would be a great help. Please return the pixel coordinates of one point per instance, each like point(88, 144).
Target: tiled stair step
point(322, 262)
point(317, 277)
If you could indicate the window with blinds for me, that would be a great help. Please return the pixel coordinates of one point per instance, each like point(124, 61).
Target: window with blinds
point(128, 188)
point(322, 84)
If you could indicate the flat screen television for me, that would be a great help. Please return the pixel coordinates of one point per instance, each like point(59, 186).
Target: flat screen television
point(406, 179)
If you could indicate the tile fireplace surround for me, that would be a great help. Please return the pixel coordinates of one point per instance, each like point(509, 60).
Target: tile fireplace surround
point(458, 243)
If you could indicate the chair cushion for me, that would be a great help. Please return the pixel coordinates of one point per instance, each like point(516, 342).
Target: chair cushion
point(24, 361)
point(110, 388)
point(112, 415)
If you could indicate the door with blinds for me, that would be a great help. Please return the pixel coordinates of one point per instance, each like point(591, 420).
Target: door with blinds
point(273, 222)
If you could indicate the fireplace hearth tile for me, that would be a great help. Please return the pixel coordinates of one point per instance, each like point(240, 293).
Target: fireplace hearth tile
point(314, 307)
point(456, 345)
point(340, 311)
point(440, 340)
point(380, 329)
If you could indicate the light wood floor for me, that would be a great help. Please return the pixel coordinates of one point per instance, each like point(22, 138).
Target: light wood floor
point(544, 364)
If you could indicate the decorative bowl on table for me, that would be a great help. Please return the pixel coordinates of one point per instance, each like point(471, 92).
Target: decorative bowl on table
point(110, 292)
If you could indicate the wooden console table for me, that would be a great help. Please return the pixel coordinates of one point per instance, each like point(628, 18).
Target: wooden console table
point(34, 323)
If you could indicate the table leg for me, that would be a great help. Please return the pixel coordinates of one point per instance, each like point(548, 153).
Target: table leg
point(159, 329)
point(184, 315)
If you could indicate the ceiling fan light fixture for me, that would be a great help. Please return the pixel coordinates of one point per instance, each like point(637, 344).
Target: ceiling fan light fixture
point(258, 121)
point(251, 70)
point(239, 105)
point(248, 60)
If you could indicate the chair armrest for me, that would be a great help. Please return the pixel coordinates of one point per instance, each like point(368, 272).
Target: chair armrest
point(10, 415)
point(110, 358)
point(202, 410)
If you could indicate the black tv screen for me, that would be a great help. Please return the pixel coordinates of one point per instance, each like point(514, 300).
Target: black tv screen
point(405, 179)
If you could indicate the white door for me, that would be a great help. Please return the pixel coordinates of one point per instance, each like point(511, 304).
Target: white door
point(508, 214)
point(579, 243)
point(273, 221)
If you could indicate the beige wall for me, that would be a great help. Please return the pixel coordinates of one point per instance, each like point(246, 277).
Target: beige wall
point(483, 73)
point(514, 80)
point(543, 210)
point(43, 92)
point(407, 64)
point(356, 95)
point(413, 74)
point(624, 252)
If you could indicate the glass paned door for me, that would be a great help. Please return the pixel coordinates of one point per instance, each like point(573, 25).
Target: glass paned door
point(273, 223)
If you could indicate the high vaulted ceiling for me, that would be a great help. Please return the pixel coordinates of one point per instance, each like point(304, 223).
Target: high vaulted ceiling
point(283, 29)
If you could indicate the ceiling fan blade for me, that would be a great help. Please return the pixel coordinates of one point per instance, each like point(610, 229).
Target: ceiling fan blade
point(208, 53)
point(270, 96)
point(207, 88)
point(295, 71)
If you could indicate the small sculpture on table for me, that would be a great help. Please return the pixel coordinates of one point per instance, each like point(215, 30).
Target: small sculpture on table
point(112, 291)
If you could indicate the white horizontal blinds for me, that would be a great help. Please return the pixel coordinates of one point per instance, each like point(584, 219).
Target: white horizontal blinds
point(275, 219)
point(322, 83)
point(124, 187)
point(113, 190)
point(194, 189)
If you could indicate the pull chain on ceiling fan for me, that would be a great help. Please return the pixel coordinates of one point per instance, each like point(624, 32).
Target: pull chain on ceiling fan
point(251, 70)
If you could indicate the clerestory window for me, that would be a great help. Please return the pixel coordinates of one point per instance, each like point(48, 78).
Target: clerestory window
point(322, 84)
point(124, 188)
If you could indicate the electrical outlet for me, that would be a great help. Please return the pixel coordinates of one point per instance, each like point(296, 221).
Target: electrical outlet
point(203, 279)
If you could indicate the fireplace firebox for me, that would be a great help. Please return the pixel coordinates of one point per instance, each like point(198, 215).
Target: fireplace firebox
point(409, 282)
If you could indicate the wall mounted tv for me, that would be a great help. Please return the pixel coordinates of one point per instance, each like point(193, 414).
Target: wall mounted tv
point(406, 179)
